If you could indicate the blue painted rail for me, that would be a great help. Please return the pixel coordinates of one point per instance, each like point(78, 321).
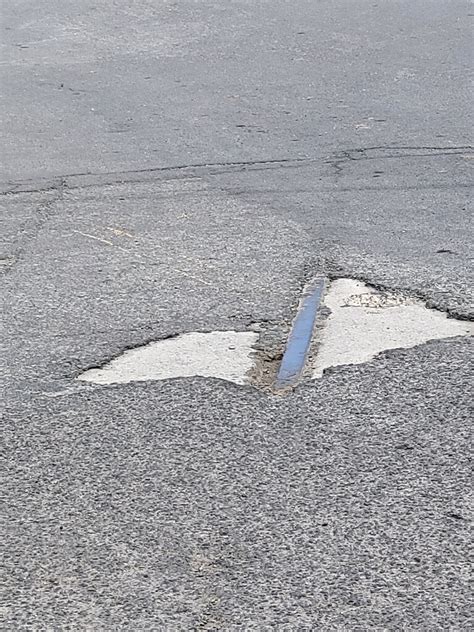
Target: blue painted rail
point(299, 339)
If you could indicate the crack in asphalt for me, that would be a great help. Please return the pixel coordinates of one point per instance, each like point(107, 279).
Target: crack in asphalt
point(43, 213)
point(357, 154)
point(337, 161)
point(61, 184)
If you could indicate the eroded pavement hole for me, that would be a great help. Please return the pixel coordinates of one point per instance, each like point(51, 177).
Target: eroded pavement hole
point(349, 323)
point(364, 322)
point(228, 355)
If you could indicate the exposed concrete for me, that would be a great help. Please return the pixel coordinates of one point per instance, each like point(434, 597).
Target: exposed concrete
point(222, 354)
point(364, 322)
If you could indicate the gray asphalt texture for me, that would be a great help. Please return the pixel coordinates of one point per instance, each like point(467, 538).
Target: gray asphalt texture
point(181, 166)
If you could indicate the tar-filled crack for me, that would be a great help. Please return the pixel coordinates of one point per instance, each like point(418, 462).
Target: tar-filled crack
point(362, 153)
point(119, 177)
point(337, 160)
point(415, 147)
point(251, 192)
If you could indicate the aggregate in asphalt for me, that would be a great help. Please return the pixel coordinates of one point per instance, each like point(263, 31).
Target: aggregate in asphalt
point(195, 504)
point(180, 166)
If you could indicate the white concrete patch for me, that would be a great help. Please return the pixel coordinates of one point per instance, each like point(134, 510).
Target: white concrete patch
point(364, 322)
point(223, 354)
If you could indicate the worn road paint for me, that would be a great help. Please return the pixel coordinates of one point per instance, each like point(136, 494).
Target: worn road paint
point(299, 340)
point(227, 355)
point(364, 322)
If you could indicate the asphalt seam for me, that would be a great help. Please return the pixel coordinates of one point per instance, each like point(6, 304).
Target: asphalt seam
point(55, 182)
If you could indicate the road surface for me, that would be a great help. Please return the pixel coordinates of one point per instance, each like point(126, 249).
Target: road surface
point(181, 166)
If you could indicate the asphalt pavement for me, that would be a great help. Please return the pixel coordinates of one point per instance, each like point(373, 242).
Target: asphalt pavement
point(188, 166)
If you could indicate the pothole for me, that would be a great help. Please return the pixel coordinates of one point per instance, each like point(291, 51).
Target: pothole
point(228, 355)
point(364, 322)
point(346, 323)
